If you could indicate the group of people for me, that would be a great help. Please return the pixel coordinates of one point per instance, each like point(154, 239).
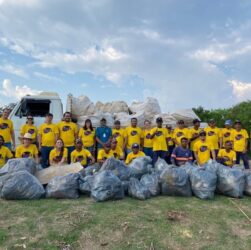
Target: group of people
point(62, 143)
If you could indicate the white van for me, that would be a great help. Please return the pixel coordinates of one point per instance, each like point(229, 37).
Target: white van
point(38, 106)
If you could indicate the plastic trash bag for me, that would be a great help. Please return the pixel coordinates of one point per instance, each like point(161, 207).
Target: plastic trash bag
point(63, 187)
point(19, 164)
point(92, 169)
point(118, 167)
point(140, 166)
point(175, 182)
point(247, 188)
point(107, 186)
point(125, 185)
point(212, 166)
point(161, 165)
point(138, 190)
point(85, 184)
point(151, 182)
point(231, 181)
point(20, 186)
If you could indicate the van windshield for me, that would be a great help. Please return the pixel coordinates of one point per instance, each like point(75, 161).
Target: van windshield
point(36, 108)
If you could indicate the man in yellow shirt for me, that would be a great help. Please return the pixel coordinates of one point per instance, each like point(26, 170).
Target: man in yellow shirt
point(118, 133)
point(240, 143)
point(170, 145)
point(179, 132)
point(116, 150)
point(7, 130)
point(203, 150)
point(68, 132)
point(105, 153)
point(146, 139)
point(47, 135)
point(226, 133)
point(136, 153)
point(5, 153)
point(226, 155)
point(194, 134)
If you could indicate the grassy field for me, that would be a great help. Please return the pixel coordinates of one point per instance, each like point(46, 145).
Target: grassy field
point(158, 223)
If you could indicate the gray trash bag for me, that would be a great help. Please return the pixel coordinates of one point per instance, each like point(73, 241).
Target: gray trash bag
point(203, 183)
point(188, 167)
point(161, 165)
point(138, 190)
point(118, 167)
point(92, 169)
point(19, 164)
point(175, 182)
point(151, 182)
point(125, 185)
point(85, 184)
point(63, 187)
point(212, 166)
point(140, 166)
point(230, 181)
point(20, 186)
point(247, 188)
point(107, 186)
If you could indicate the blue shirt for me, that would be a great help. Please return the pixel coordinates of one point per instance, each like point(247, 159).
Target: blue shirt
point(104, 134)
point(181, 155)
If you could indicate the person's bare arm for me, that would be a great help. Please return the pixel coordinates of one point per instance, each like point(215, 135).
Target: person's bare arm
point(213, 154)
point(125, 143)
point(13, 138)
point(37, 160)
point(196, 157)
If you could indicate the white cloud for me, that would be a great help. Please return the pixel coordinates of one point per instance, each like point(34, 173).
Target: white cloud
point(47, 77)
point(27, 3)
point(12, 69)
point(241, 90)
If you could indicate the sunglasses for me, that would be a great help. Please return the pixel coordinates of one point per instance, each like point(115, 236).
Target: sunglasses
point(30, 118)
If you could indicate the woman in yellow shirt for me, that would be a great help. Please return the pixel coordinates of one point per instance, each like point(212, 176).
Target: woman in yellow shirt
point(58, 155)
point(146, 139)
point(30, 128)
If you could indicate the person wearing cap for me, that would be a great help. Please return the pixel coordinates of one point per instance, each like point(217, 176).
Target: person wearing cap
point(240, 143)
point(203, 150)
point(132, 135)
point(146, 139)
point(117, 150)
point(179, 132)
point(160, 137)
point(105, 153)
point(226, 133)
point(118, 134)
point(58, 155)
point(135, 153)
point(27, 149)
point(103, 134)
point(5, 153)
point(82, 155)
point(182, 154)
point(68, 132)
point(48, 133)
point(226, 155)
point(170, 143)
point(213, 135)
point(30, 128)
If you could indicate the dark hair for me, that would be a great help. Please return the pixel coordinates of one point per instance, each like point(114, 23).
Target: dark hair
point(67, 113)
point(228, 142)
point(85, 127)
point(49, 114)
point(2, 138)
point(134, 118)
point(62, 149)
point(184, 138)
point(27, 118)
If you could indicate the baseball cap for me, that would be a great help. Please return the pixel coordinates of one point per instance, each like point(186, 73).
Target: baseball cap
point(159, 119)
point(228, 122)
point(237, 121)
point(196, 121)
point(202, 133)
point(211, 120)
point(117, 122)
point(135, 145)
point(79, 141)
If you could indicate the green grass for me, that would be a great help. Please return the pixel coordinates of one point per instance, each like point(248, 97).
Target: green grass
point(158, 223)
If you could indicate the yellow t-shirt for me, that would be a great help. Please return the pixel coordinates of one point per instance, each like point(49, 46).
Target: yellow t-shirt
point(131, 156)
point(239, 139)
point(80, 156)
point(102, 155)
point(170, 140)
point(203, 150)
point(193, 132)
point(87, 136)
point(159, 140)
point(31, 129)
point(230, 156)
point(29, 152)
point(55, 155)
point(119, 135)
point(118, 152)
point(146, 136)
point(226, 135)
point(133, 135)
point(67, 131)
point(6, 127)
point(213, 136)
point(5, 154)
point(48, 134)
point(179, 133)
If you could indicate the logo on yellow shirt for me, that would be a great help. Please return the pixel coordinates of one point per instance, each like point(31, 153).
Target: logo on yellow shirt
point(4, 125)
point(159, 133)
point(227, 134)
point(26, 154)
point(31, 131)
point(148, 136)
point(211, 133)
point(203, 148)
point(238, 137)
point(66, 128)
point(47, 130)
point(80, 158)
point(133, 133)
point(87, 132)
point(57, 158)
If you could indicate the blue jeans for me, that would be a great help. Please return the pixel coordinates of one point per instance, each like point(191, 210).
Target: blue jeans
point(70, 149)
point(45, 153)
point(170, 150)
point(244, 157)
point(148, 151)
point(159, 154)
point(8, 145)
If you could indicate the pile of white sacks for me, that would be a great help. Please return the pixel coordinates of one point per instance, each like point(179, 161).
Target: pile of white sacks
point(83, 108)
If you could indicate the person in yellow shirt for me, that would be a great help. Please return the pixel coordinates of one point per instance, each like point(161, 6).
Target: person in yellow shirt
point(82, 155)
point(119, 134)
point(240, 143)
point(160, 138)
point(58, 155)
point(146, 139)
point(116, 150)
point(179, 132)
point(47, 135)
point(87, 135)
point(226, 133)
point(5, 153)
point(170, 145)
point(203, 150)
point(194, 134)
point(27, 149)
point(213, 135)
point(30, 128)
point(68, 132)
point(136, 153)
point(105, 153)
point(132, 135)
point(7, 130)
point(226, 155)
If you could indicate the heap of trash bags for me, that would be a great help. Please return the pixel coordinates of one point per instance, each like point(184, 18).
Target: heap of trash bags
point(115, 180)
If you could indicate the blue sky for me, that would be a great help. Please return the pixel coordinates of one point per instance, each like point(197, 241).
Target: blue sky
point(185, 53)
